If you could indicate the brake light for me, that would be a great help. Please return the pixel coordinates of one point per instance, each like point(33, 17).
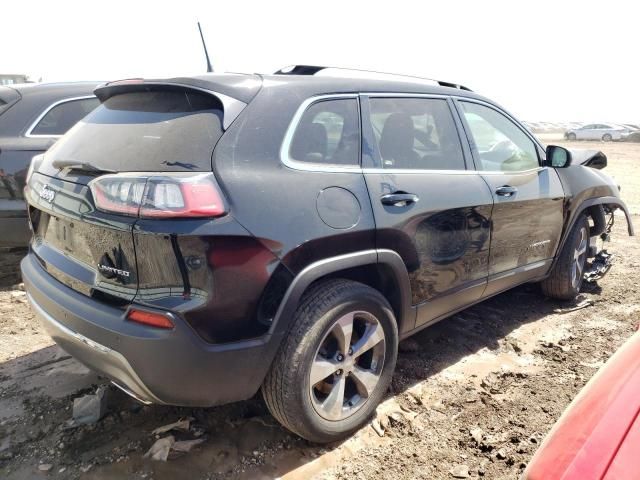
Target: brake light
point(118, 194)
point(158, 195)
point(151, 319)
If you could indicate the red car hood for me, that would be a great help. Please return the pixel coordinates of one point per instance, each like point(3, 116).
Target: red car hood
point(598, 436)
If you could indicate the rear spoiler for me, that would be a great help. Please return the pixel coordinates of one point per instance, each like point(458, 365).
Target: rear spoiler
point(231, 106)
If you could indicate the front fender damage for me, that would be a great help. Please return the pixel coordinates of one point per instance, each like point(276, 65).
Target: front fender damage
point(621, 206)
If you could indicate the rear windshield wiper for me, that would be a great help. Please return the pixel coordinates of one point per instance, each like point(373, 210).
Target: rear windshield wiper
point(76, 165)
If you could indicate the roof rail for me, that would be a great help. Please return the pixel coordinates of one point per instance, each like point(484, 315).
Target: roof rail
point(314, 69)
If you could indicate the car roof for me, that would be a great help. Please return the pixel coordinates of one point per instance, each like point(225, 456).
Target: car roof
point(244, 87)
point(385, 83)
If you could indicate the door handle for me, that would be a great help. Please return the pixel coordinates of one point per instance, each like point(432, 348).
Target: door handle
point(506, 191)
point(399, 199)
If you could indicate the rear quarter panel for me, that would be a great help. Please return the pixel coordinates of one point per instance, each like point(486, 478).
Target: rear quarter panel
point(276, 203)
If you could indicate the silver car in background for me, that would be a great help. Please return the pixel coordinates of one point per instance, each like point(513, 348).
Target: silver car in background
point(598, 131)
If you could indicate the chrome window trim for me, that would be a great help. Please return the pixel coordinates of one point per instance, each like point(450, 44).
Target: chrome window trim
point(451, 172)
point(333, 168)
point(293, 125)
point(47, 110)
point(405, 95)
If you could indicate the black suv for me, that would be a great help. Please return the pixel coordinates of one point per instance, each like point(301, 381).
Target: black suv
point(32, 117)
point(198, 239)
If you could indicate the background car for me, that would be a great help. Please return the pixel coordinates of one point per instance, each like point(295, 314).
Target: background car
point(633, 137)
point(598, 435)
point(598, 131)
point(32, 118)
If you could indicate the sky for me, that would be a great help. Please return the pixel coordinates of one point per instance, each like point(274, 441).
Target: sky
point(561, 60)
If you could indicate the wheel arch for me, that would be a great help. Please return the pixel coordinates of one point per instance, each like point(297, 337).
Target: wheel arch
point(593, 208)
point(383, 270)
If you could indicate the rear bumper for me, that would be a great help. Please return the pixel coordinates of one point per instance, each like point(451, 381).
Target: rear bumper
point(95, 355)
point(174, 367)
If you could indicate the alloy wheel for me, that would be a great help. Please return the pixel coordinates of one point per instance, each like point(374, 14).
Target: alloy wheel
point(347, 365)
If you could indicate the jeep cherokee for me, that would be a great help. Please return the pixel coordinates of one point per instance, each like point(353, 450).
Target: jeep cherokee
point(198, 239)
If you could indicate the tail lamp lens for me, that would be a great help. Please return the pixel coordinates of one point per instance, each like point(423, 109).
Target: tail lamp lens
point(158, 196)
point(151, 319)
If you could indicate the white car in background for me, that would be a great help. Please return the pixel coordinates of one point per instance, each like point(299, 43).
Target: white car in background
point(598, 131)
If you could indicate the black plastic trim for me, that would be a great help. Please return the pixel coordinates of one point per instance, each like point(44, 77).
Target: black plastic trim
point(322, 268)
point(584, 206)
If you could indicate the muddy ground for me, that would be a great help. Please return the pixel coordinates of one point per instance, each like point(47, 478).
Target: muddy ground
point(478, 391)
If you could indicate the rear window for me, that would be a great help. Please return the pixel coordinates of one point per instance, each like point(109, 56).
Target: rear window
point(167, 130)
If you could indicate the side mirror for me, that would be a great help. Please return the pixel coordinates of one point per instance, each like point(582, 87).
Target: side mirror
point(558, 157)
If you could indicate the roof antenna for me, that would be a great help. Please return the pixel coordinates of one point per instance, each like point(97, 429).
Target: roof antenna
point(206, 54)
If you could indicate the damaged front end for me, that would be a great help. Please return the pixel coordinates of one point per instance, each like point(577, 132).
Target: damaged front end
point(600, 260)
point(590, 191)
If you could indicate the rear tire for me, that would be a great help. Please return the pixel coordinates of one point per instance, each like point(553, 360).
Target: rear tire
point(607, 137)
point(335, 364)
point(566, 278)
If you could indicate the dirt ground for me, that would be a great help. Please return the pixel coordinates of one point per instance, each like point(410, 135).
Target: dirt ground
point(479, 390)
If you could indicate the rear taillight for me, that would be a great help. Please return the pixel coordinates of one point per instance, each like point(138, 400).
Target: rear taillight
point(151, 319)
point(158, 195)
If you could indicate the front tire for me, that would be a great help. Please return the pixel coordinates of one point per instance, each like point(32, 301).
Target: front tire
point(571, 136)
point(566, 278)
point(336, 363)
point(607, 137)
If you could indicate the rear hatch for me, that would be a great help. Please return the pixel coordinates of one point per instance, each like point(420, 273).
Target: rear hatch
point(86, 193)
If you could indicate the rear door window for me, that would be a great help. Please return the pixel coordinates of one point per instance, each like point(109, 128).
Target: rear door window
point(416, 133)
point(328, 133)
point(158, 130)
point(60, 118)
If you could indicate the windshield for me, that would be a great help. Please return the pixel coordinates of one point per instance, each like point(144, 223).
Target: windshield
point(162, 130)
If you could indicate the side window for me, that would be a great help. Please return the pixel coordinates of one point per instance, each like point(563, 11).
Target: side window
point(328, 133)
point(64, 116)
point(501, 144)
point(416, 133)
